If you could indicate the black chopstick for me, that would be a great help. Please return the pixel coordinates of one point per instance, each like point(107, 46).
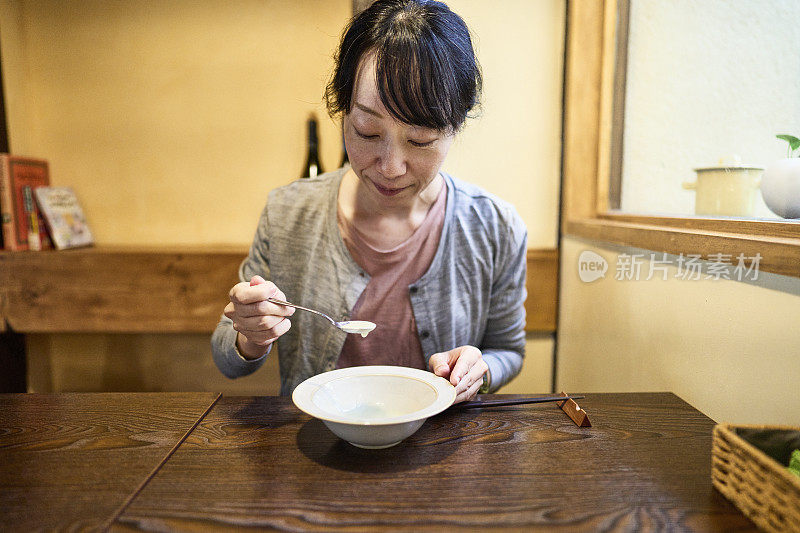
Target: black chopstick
point(513, 401)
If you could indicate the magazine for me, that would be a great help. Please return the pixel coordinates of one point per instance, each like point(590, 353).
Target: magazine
point(64, 217)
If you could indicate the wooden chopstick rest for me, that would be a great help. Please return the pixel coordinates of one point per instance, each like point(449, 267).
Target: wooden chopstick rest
point(577, 414)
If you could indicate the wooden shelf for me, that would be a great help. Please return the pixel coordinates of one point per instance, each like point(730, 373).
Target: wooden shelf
point(117, 289)
point(113, 289)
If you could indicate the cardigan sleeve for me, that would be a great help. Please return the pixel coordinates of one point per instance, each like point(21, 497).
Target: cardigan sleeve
point(223, 340)
point(503, 342)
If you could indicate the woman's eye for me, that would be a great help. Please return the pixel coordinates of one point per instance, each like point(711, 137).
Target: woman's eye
point(421, 144)
point(364, 135)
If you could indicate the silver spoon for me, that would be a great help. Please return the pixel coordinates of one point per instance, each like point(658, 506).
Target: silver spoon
point(361, 327)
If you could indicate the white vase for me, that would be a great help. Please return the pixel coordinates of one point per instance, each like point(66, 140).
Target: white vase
point(780, 187)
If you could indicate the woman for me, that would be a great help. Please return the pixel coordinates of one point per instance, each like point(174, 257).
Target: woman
point(437, 264)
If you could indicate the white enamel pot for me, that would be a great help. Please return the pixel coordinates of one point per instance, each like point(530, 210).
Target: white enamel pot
point(726, 190)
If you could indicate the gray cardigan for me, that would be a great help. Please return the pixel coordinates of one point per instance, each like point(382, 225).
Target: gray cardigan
point(473, 293)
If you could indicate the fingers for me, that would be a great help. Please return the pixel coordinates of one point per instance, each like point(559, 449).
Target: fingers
point(257, 280)
point(471, 379)
point(250, 299)
point(246, 293)
point(464, 367)
point(465, 360)
point(470, 393)
point(264, 336)
point(259, 320)
point(439, 364)
point(257, 309)
point(257, 323)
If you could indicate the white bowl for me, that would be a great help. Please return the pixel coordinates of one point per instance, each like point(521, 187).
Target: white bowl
point(374, 406)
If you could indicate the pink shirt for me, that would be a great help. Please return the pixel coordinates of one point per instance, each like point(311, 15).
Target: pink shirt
point(385, 301)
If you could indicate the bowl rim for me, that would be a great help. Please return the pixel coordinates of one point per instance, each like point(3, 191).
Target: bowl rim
point(302, 396)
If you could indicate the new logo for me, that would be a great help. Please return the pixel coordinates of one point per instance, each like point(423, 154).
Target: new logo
point(591, 266)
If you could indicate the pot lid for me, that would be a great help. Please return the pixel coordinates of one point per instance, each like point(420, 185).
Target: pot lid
point(731, 162)
point(729, 167)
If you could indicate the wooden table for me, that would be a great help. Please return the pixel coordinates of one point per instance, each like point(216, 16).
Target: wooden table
point(259, 462)
point(74, 461)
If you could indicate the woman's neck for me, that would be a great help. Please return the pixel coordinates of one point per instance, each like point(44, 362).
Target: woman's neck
point(384, 225)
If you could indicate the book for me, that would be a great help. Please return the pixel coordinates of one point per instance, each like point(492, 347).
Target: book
point(64, 217)
point(22, 223)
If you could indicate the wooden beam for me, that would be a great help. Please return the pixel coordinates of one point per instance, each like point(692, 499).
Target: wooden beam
point(783, 254)
point(118, 290)
point(165, 290)
point(620, 68)
point(582, 108)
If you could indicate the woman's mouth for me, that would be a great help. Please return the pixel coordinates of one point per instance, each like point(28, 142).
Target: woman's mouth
point(388, 191)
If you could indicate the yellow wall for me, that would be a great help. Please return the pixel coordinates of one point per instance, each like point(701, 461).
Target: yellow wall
point(513, 148)
point(172, 121)
point(729, 348)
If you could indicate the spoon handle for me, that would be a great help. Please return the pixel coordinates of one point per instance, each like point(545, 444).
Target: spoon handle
point(514, 401)
point(282, 302)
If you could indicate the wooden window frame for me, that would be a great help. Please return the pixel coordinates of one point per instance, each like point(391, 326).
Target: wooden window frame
point(592, 131)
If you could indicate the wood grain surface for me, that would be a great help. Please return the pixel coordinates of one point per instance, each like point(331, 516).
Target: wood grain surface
point(118, 289)
point(112, 289)
point(260, 463)
point(541, 305)
point(71, 461)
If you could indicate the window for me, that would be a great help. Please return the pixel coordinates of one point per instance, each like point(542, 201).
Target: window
point(593, 157)
point(708, 85)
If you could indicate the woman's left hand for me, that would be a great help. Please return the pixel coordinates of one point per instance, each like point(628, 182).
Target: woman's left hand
point(464, 367)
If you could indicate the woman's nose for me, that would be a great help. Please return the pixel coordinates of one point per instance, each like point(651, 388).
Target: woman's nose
point(392, 162)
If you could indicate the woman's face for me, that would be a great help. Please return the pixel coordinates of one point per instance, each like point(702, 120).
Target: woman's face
point(394, 161)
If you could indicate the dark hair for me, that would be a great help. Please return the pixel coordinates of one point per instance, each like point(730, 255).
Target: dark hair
point(427, 72)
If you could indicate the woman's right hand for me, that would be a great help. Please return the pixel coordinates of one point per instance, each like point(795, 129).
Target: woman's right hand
point(257, 321)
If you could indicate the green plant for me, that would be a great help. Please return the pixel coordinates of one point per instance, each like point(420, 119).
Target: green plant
point(794, 144)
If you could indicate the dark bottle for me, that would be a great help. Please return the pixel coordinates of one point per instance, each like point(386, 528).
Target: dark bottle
point(312, 167)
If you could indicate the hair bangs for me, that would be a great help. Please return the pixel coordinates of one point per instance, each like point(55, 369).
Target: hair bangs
point(413, 85)
point(427, 74)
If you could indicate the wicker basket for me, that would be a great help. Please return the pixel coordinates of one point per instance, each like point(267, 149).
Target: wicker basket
point(751, 477)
